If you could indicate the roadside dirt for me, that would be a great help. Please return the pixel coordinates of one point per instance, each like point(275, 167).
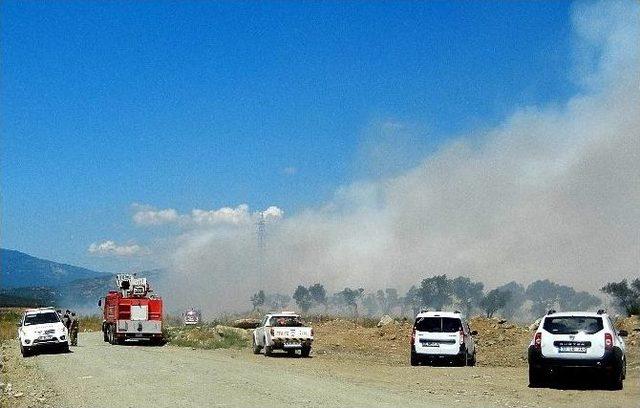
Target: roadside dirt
point(96, 374)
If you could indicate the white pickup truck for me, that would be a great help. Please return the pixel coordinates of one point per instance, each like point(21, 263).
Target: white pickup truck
point(282, 331)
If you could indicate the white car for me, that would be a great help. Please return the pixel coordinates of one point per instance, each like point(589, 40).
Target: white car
point(577, 340)
point(40, 328)
point(442, 337)
point(283, 331)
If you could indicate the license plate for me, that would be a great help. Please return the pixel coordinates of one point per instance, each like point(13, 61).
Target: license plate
point(431, 344)
point(45, 338)
point(291, 345)
point(572, 349)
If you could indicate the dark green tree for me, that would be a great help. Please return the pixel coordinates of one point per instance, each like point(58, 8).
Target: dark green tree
point(494, 301)
point(435, 291)
point(302, 298)
point(626, 297)
point(468, 293)
point(318, 295)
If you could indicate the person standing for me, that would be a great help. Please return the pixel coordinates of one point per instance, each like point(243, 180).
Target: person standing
point(73, 329)
point(66, 319)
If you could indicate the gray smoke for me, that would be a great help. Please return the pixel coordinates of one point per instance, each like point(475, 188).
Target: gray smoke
point(553, 192)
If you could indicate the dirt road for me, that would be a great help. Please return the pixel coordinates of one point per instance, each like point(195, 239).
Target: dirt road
point(97, 374)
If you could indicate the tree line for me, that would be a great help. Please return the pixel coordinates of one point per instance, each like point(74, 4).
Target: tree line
point(512, 300)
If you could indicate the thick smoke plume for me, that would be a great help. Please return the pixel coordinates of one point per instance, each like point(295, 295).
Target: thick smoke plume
point(553, 192)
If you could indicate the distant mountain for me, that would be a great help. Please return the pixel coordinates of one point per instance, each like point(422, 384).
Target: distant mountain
point(18, 269)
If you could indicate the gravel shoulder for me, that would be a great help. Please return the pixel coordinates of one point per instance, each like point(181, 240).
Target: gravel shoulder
point(101, 375)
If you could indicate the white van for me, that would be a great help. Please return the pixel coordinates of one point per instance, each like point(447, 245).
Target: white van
point(442, 337)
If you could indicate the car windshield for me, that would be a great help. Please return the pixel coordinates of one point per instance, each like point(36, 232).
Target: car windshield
point(286, 321)
point(438, 324)
point(41, 318)
point(573, 324)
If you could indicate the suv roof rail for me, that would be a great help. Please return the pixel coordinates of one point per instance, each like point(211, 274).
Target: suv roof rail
point(601, 311)
point(424, 310)
point(552, 311)
point(456, 311)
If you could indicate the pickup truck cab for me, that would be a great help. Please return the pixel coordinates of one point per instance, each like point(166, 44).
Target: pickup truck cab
point(42, 328)
point(282, 331)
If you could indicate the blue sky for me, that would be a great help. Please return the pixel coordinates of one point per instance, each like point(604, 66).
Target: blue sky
point(204, 105)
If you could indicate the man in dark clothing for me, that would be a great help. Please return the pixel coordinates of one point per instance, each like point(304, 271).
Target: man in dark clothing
point(66, 319)
point(73, 329)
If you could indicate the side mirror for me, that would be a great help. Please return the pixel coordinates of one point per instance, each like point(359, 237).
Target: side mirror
point(99, 302)
point(623, 333)
point(474, 333)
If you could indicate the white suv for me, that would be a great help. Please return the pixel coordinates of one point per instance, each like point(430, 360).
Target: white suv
point(582, 340)
point(442, 337)
point(41, 328)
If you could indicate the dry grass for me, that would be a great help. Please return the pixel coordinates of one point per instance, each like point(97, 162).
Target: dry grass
point(9, 318)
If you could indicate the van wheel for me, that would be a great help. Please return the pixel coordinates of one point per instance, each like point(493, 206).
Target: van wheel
point(305, 351)
point(464, 359)
point(536, 379)
point(267, 351)
point(472, 361)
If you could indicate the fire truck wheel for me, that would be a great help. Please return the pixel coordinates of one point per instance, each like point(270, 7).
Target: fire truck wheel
point(105, 337)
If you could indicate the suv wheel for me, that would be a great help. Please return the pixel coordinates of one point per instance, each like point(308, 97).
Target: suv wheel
point(267, 351)
point(414, 359)
point(25, 351)
point(536, 378)
point(615, 382)
point(305, 351)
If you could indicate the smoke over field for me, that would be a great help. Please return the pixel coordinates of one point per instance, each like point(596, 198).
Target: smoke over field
point(552, 192)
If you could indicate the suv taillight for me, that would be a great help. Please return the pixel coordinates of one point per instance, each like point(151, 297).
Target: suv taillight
point(312, 332)
point(272, 331)
point(413, 337)
point(537, 340)
point(461, 337)
point(608, 341)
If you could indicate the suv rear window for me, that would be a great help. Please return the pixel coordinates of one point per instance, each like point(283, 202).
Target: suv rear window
point(41, 318)
point(438, 324)
point(573, 324)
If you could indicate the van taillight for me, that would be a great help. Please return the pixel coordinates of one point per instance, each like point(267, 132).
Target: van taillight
point(311, 332)
point(413, 337)
point(537, 340)
point(608, 341)
point(461, 337)
point(272, 331)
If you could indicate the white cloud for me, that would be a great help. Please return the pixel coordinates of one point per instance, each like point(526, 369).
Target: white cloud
point(110, 248)
point(149, 216)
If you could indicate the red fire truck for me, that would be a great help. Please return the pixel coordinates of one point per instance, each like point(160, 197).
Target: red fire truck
point(131, 312)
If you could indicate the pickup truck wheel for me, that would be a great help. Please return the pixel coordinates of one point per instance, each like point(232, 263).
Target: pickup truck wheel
point(267, 351)
point(256, 347)
point(305, 351)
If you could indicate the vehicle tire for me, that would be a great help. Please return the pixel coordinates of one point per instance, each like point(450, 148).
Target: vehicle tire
point(111, 335)
point(291, 352)
point(415, 361)
point(463, 359)
point(64, 347)
point(256, 347)
point(267, 351)
point(472, 361)
point(536, 378)
point(25, 351)
point(615, 383)
point(105, 336)
point(305, 351)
